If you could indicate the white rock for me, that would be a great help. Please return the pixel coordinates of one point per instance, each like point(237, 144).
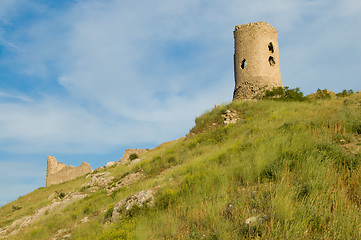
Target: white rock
point(139, 199)
point(109, 164)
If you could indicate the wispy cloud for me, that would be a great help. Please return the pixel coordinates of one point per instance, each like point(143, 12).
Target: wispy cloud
point(156, 65)
point(7, 9)
point(14, 96)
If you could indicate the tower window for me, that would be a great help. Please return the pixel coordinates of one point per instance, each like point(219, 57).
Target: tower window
point(270, 47)
point(271, 61)
point(243, 64)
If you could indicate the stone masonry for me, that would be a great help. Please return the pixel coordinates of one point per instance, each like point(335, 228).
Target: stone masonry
point(256, 60)
point(60, 172)
point(128, 152)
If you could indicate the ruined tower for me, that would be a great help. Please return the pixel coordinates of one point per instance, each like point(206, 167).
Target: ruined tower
point(256, 60)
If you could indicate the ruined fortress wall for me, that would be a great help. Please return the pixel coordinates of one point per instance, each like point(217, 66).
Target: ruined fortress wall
point(128, 152)
point(256, 60)
point(59, 172)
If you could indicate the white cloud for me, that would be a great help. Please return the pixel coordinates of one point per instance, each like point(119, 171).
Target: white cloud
point(51, 125)
point(14, 96)
point(7, 8)
point(141, 71)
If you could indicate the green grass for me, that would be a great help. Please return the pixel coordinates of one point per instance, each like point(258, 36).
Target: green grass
point(282, 162)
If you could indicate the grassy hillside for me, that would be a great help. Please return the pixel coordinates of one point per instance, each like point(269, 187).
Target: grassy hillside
point(285, 170)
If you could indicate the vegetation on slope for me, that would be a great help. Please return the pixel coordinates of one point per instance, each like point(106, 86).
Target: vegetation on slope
point(286, 170)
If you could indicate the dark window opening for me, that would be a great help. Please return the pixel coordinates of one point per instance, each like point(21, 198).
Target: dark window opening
point(270, 47)
point(271, 61)
point(244, 63)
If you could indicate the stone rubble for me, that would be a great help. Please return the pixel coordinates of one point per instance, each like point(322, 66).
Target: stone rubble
point(98, 180)
point(256, 219)
point(26, 221)
point(126, 181)
point(84, 220)
point(139, 199)
point(128, 152)
point(60, 234)
point(230, 116)
point(110, 164)
point(353, 147)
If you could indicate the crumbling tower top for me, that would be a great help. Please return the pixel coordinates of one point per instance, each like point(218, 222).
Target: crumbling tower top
point(256, 60)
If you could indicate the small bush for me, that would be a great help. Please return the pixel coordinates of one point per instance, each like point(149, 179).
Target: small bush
point(15, 208)
point(74, 215)
point(124, 230)
point(133, 156)
point(284, 94)
point(154, 166)
point(171, 159)
point(251, 232)
point(135, 210)
point(108, 213)
point(116, 191)
point(304, 190)
point(340, 158)
point(208, 121)
point(215, 136)
point(166, 199)
point(194, 234)
point(61, 195)
point(84, 188)
point(322, 94)
point(345, 93)
point(86, 210)
point(356, 128)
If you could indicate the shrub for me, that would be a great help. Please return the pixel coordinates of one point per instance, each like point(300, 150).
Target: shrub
point(356, 127)
point(208, 121)
point(108, 213)
point(84, 188)
point(86, 210)
point(167, 198)
point(251, 232)
point(16, 208)
point(133, 156)
point(345, 93)
point(284, 94)
point(154, 166)
point(61, 195)
point(322, 94)
point(124, 230)
point(214, 136)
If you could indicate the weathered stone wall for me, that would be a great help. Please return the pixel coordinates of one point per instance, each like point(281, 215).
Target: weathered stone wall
point(256, 60)
point(59, 172)
point(128, 152)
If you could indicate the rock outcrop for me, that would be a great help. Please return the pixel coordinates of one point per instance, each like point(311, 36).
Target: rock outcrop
point(140, 199)
point(24, 222)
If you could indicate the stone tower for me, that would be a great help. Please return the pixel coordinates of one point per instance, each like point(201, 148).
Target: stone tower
point(256, 60)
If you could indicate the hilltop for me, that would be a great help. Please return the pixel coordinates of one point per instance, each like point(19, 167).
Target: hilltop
point(262, 169)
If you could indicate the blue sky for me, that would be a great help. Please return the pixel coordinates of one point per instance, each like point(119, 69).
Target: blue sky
point(83, 80)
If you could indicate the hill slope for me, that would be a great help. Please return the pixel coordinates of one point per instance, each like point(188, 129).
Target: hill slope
point(284, 170)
